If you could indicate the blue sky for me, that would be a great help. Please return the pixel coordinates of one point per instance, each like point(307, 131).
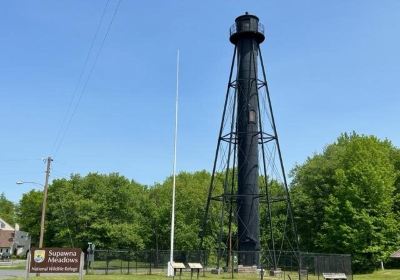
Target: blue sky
point(332, 66)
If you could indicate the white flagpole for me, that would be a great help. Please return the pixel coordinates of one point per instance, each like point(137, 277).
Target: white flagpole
point(171, 258)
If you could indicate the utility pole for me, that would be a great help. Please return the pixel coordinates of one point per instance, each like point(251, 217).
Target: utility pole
point(46, 184)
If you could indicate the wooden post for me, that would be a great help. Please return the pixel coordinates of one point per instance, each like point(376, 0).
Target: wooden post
point(81, 266)
point(28, 265)
point(43, 218)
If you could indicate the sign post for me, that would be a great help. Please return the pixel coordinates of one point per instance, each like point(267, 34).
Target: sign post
point(55, 260)
point(81, 266)
point(27, 266)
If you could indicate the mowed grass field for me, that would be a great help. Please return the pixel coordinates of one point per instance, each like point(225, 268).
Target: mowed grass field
point(390, 274)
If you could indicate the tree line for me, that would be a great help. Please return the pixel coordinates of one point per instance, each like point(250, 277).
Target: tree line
point(346, 199)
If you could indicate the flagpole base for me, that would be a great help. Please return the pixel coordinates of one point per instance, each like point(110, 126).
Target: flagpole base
point(170, 271)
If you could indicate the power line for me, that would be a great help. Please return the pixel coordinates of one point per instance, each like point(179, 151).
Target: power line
point(88, 55)
point(64, 129)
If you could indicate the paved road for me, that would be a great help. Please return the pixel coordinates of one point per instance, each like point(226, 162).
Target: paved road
point(14, 273)
point(11, 273)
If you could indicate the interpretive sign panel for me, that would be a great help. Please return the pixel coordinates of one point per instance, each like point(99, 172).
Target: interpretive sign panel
point(55, 260)
point(177, 265)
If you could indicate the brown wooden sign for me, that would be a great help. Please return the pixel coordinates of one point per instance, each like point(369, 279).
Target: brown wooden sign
point(55, 260)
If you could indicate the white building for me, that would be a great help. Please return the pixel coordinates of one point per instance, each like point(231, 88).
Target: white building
point(12, 240)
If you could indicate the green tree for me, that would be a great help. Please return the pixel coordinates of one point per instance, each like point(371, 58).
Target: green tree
point(104, 209)
point(191, 194)
point(29, 211)
point(7, 210)
point(345, 200)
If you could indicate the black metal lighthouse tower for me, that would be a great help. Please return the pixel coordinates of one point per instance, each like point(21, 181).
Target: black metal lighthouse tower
point(246, 39)
point(248, 173)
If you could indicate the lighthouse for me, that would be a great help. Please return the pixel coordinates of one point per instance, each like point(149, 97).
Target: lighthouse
point(246, 34)
point(248, 163)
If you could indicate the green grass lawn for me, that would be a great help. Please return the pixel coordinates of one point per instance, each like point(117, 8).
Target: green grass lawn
point(379, 275)
point(389, 274)
point(18, 266)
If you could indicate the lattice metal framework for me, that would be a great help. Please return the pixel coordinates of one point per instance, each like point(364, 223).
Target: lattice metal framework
point(248, 176)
